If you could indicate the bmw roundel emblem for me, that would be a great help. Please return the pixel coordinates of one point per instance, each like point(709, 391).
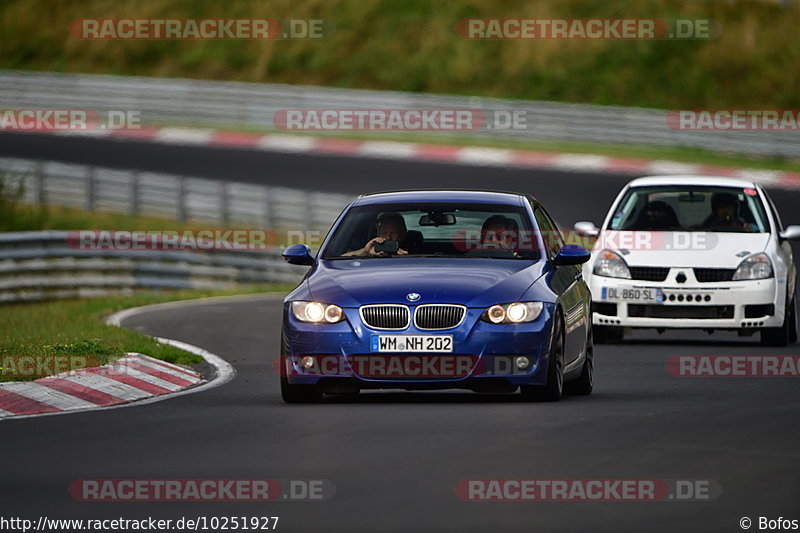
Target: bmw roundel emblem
point(412, 296)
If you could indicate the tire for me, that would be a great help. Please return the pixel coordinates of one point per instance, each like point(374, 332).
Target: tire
point(299, 393)
point(606, 334)
point(553, 389)
point(785, 334)
point(583, 385)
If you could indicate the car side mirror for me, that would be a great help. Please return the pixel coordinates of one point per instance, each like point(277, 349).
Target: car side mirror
point(791, 233)
point(571, 254)
point(586, 229)
point(298, 254)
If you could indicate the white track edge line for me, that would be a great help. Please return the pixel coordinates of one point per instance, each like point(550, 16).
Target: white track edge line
point(225, 372)
point(117, 318)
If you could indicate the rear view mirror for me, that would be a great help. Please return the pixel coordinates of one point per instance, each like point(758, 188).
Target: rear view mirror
point(586, 229)
point(298, 254)
point(571, 254)
point(791, 233)
point(692, 198)
point(437, 219)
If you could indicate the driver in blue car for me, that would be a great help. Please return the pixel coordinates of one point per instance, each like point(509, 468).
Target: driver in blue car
point(391, 228)
point(500, 233)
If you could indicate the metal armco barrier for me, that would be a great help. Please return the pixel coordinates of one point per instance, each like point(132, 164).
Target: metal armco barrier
point(41, 265)
point(231, 105)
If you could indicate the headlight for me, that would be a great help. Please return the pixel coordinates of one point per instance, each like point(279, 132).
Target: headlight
point(513, 313)
point(756, 266)
point(316, 312)
point(611, 265)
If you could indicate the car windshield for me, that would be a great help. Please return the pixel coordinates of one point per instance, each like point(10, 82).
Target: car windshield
point(434, 230)
point(691, 208)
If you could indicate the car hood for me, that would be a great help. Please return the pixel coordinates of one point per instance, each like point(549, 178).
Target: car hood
point(684, 249)
point(472, 282)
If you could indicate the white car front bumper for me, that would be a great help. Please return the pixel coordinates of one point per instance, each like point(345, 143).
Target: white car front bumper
point(692, 304)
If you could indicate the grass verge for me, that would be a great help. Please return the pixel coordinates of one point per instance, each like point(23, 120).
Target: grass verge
point(77, 328)
point(751, 60)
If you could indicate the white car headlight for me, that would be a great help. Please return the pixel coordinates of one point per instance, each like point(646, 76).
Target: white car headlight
point(316, 312)
point(514, 313)
point(611, 265)
point(757, 266)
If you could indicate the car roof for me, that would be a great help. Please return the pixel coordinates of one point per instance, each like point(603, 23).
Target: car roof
point(442, 195)
point(720, 181)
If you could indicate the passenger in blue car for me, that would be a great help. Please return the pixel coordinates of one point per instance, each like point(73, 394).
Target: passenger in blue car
point(391, 229)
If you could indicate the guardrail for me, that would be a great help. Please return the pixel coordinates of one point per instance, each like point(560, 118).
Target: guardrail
point(181, 102)
point(181, 198)
point(41, 265)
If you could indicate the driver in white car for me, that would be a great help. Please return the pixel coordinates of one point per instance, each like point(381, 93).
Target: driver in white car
point(725, 216)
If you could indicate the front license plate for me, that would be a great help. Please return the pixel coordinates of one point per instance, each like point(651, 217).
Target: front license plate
point(653, 296)
point(412, 343)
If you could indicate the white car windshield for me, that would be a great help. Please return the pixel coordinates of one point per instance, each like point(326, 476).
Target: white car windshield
point(690, 208)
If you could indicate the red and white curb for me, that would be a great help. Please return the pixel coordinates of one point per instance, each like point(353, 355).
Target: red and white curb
point(133, 380)
point(462, 155)
point(133, 377)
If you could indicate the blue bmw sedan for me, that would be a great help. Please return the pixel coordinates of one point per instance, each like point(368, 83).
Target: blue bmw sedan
point(425, 290)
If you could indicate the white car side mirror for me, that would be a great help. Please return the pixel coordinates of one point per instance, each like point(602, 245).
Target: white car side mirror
point(791, 233)
point(588, 229)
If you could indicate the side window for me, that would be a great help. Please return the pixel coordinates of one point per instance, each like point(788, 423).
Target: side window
point(553, 241)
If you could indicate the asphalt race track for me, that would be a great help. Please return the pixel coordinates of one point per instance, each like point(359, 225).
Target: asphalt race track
point(395, 457)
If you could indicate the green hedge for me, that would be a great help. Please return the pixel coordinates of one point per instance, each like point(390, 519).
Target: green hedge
point(411, 45)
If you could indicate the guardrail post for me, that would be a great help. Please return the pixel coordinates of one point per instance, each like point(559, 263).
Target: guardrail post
point(182, 214)
point(224, 203)
point(91, 185)
point(309, 222)
point(269, 212)
point(135, 194)
point(38, 183)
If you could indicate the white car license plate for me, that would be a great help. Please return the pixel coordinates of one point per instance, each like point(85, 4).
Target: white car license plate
point(412, 343)
point(654, 296)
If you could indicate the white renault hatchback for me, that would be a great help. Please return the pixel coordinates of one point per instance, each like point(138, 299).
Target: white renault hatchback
point(693, 252)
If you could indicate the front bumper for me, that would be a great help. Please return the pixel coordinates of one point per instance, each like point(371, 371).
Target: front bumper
point(710, 305)
point(483, 356)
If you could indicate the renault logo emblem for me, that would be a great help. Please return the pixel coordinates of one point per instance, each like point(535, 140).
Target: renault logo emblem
point(412, 296)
